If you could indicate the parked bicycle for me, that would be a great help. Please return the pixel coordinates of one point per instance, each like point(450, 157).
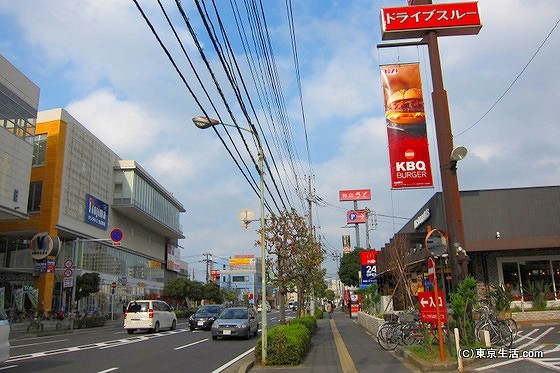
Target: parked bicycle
point(502, 332)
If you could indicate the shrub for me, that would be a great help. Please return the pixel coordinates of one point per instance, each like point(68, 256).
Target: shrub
point(462, 302)
point(539, 290)
point(89, 322)
point(286, 344)
point(318, 313)
point(310, 322)
point(500, 297)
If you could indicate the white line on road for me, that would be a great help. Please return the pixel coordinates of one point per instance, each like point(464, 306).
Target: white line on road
point(108, 370)
point(233, 361)
point(191, 344)
point(36, 344)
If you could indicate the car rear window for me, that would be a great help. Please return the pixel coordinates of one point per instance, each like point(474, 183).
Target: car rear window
point(138, 307)
point(233, 313)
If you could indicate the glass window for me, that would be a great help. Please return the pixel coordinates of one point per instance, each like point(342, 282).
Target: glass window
point(34, 201)
point(39, 150)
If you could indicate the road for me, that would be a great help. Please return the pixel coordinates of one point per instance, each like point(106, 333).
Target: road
point(536, 349)
point(112, 349)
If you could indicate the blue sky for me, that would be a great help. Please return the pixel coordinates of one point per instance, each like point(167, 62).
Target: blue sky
point(99, 60)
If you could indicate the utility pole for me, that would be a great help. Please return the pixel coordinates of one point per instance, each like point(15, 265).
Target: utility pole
point(207, 260)
point(310, 199)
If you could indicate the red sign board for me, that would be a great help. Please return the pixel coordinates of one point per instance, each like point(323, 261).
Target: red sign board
point(368, 257)
point(354, 195)
point(415, 21)
point(428, 311)
point(356, 216)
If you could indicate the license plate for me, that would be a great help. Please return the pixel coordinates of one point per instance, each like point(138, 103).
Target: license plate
point(200, 323)
point(227, 332)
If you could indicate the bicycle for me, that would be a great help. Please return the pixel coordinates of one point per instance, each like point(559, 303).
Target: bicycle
point(500, 331)
point(35, 326)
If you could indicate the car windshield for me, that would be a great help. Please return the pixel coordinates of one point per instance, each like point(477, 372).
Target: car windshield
point(209, 309)
point(234, 313)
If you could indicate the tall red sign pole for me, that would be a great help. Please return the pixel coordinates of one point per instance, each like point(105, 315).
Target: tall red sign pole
point(400, 24)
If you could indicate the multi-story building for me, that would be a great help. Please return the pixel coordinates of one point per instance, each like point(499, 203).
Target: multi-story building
point(89, 211)
point(243, 277)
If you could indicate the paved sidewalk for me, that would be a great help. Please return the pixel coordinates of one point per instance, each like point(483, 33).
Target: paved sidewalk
point(339, 345)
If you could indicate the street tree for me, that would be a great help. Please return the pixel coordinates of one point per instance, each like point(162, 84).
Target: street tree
point(87, 284)
point(294, 260)
point(350, 267)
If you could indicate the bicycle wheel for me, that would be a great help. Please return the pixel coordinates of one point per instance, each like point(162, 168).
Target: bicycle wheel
point(505, 333)
point(388, 336)
point(513, 326)
point(411, 333)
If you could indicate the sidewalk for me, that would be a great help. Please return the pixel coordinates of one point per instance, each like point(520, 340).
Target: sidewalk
point(339, 345)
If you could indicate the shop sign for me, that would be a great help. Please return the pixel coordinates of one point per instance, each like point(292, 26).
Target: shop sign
point(42, 245)
point(354, 195)
point(422, 218)
point(97, 212)
point(415, 21)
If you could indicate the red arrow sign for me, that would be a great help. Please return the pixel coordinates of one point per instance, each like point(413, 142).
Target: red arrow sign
point(428, 312)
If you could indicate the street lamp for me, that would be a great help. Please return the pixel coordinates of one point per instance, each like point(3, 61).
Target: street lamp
point(203, 122)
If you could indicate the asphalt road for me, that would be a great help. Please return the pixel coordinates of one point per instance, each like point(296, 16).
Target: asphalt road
point(112, 349)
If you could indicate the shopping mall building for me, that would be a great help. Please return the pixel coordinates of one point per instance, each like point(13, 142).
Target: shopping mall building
point(512, 236)
point(69, 205)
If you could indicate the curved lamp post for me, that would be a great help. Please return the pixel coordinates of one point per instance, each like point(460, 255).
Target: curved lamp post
point(203, 122)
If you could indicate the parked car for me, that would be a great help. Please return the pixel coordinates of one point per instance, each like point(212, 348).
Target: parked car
point(151, 315)
point(204, 316)
point(4, 337)
point(259, 307)
point(293, 306)
point(236, 322)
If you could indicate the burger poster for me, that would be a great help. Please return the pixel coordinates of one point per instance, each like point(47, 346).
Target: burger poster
point(406, 126)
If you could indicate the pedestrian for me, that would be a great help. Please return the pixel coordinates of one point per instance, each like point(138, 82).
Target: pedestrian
point(328, 308)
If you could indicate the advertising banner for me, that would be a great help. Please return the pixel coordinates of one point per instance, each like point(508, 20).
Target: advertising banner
point(97, 212)
point(409, 156)
point(368, 262)
point(354, 195)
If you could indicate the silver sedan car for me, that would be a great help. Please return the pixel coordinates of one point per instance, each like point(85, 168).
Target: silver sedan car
point(236, 322)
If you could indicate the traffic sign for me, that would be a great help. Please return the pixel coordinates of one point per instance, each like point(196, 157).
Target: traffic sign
point(431, 270)
point(116, 235)
point(68, 272)
point(68, 263)
point(114, 285)
point(428, 307)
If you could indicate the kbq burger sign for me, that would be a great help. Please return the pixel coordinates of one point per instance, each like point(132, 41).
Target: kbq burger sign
point(404, 103)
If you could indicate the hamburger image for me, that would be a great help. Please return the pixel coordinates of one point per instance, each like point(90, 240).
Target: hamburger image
point(406, 106)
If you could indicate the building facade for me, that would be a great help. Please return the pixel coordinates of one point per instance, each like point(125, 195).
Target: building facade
point(88, 211)
point(512, 236)
point(243, 277)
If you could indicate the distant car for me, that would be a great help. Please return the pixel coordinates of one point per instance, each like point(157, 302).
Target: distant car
point(204, 316)
point(268, 309)
point(294, 306)
point(151, 315)
point(236, 322)
point(4, 337)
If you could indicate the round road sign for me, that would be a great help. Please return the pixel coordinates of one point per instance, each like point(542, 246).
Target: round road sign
point(116, 235)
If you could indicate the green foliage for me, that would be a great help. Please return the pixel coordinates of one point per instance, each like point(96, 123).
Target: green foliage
point(462, 302)
point(350, 267)
point(286, 345)
point(89, 322)
point(538, 289)
point(310, 322)
point(87, 284)
point(500, 297)
point(212, 292)
point(318, 313)
point(370, 298)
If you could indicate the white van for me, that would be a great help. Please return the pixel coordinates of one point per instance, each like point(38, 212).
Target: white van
point(151, 315)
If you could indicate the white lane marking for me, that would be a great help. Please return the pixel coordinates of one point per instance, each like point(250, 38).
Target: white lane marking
point(233, 361)
point(8, 367)
point(100, 345)
point(191, 344)
point(108, 370)
point(36, 344)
